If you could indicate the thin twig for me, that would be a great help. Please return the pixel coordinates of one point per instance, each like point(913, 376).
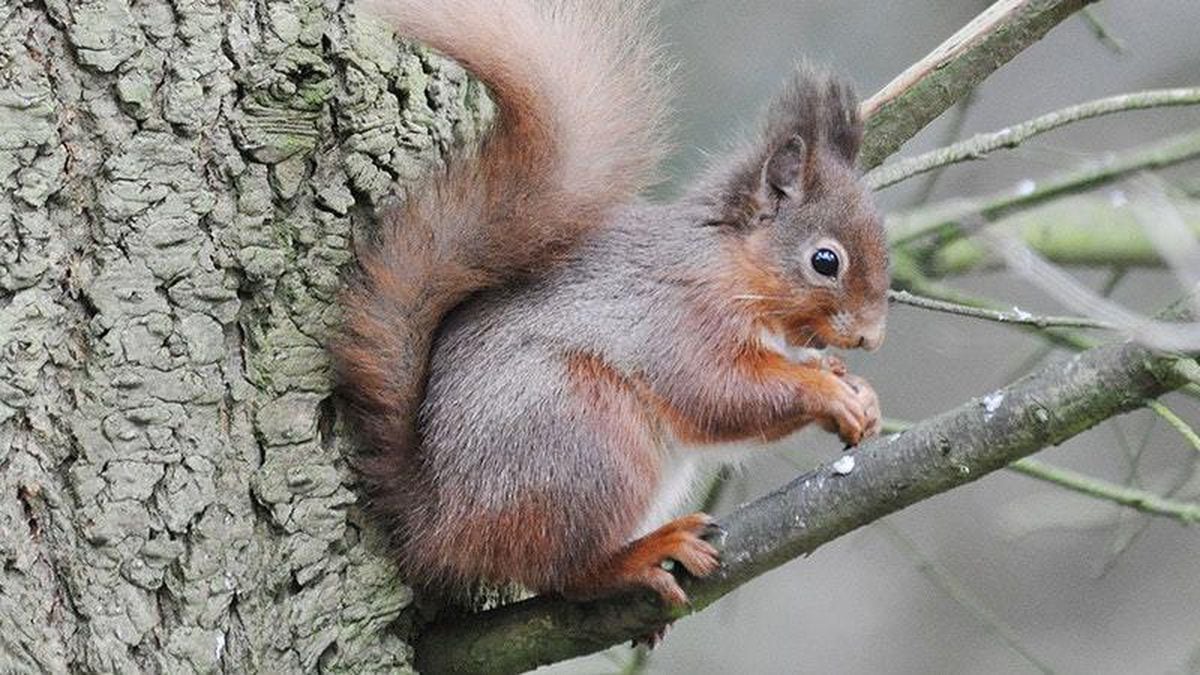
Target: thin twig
point(953, 219)
point(1016, 316)
point(1047, 347)
point(1131, 497)
point(953, 133)
point(1141, 500)
point(1134, 498)
point(1176, 422)
point(1163, 335)
point(907, 278)
point(1129, 525)
point(981, 145)
point(1101, 31)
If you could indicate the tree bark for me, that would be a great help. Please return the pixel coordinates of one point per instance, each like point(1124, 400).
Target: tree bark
point(180, 183)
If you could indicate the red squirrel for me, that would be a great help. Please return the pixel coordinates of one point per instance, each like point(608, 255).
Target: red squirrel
point(529, 350)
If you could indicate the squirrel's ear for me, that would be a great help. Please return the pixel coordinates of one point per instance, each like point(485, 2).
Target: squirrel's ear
point(844, 125)
point(783, 173)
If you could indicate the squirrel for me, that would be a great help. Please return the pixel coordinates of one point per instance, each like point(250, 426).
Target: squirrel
point(529, 350)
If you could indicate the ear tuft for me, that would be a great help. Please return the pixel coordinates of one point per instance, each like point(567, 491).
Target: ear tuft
point(784, 170)
point(844, 127)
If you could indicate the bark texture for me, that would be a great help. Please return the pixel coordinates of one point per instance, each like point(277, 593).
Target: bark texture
point(179, 185)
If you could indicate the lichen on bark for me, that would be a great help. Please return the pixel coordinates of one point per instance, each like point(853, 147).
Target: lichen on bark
point(180, 184)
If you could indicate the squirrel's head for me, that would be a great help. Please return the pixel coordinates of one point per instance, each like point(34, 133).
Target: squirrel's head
point(813, 245)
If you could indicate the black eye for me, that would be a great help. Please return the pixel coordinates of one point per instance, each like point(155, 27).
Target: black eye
point(825, 262)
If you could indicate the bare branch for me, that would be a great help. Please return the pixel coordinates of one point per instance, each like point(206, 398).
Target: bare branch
point(1055, 282)
point(1177, 423)
point(952, 133)
point(1102, 33)
point(958, 216)
point(941, 577)
point(1141, 500)
point(918, 95)
point(912, 280)
point(981, 145)
point(1015, 317)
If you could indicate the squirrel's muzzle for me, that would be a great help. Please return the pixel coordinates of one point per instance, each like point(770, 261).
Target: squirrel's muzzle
point(870, 336)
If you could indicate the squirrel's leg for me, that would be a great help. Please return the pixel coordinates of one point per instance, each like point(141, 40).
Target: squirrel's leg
point(625, 469)
point(640, 563)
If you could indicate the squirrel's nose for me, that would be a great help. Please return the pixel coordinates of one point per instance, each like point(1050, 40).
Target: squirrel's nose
point(870, 338)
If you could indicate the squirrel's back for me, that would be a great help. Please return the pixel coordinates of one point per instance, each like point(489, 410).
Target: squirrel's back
point(578, 133)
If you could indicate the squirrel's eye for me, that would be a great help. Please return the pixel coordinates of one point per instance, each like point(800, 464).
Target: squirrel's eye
point(825, 262)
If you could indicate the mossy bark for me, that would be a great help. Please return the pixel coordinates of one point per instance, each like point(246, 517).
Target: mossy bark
point(178, 186)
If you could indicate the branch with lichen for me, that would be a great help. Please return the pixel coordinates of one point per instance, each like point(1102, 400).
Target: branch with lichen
point(1097, 230)
point(947, 74)
point(952, 220)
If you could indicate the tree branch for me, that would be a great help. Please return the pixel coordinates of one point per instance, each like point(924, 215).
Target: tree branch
point(961, 594)
point(1016, 317)
point(918, 95)
point(1087, 231)
point(1102, 33)
point(889, 474)
point(908, 278)
point(1177, 423)
point(1187, 513)
point(980, 145)
point(951, 218)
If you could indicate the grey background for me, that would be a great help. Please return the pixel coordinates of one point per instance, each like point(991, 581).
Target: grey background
point(1042, 563)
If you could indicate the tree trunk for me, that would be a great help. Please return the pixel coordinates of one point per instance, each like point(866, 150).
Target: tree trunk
point(180, 182)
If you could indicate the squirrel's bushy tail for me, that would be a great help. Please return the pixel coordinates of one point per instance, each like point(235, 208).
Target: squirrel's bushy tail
point(580, 104)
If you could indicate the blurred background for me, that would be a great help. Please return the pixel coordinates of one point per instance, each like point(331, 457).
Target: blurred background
point(1009, 574)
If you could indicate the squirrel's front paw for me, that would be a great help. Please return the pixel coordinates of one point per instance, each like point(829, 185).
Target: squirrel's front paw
point(869, 401)
point(851, 410)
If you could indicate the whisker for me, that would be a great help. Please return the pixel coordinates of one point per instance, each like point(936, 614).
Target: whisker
point(750, 296)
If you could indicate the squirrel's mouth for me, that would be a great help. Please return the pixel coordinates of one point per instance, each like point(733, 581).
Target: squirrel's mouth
point(807, 348)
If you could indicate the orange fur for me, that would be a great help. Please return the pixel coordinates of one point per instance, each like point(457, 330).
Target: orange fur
point(639, 564)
